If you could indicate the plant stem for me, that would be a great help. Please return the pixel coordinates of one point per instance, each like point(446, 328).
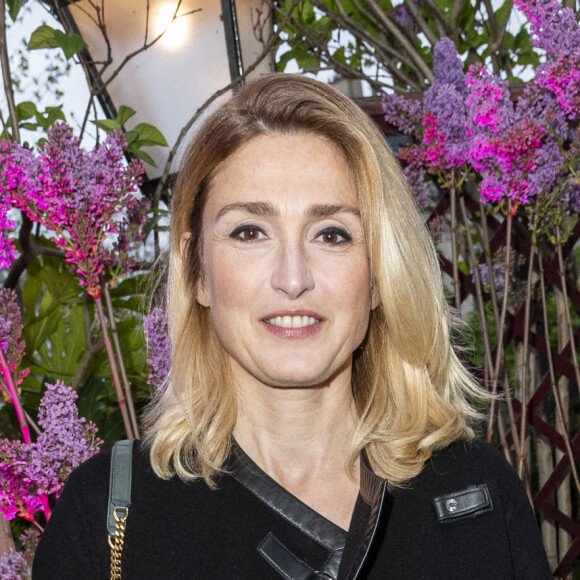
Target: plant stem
point(555, 392)
point(500, 329)
point(478, 292)
point(126, 386)
point(456, 287)
point(21, 415)
point(562, 273)
point(6, 75)
point(523, 417)
point(114, 372)
point(13, 392)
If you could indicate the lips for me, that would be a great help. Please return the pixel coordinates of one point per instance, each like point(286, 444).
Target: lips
point(293, 324)
point(292, 321)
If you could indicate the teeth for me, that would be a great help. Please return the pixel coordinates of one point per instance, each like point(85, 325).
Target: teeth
point(292, 321)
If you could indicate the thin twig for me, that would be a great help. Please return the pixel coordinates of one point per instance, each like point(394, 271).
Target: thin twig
point(500, 331)
point(6, 76)
point(555, 392)
point(114, 372)
point(116, 343)
point(524, 392)
point(562, 273)
point(455, 281)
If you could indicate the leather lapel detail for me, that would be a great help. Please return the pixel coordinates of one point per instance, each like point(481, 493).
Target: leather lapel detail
point(470, 502)
point(373, 490)
point(284, 561)
point(289, 507)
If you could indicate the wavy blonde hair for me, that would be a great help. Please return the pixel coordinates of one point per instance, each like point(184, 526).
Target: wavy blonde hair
point(411, 390)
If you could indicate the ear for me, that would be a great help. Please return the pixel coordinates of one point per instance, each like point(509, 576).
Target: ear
point(201, 295)
point(375, 297)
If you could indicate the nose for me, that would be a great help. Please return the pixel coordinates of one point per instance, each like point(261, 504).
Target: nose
point(292, 274)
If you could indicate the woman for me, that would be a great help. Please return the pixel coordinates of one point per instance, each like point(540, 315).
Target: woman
point(316, 424)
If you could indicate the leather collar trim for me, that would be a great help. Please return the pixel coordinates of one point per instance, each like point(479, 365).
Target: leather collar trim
point(311, 523)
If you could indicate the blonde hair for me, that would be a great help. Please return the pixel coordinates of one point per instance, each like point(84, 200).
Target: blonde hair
point(411, 390)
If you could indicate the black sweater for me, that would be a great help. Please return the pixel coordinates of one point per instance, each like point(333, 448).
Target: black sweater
point(250, 528)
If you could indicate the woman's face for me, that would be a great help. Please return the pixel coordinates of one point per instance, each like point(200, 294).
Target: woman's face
point(286, 273)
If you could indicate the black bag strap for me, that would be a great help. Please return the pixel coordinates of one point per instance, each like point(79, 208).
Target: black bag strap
point(119, 482)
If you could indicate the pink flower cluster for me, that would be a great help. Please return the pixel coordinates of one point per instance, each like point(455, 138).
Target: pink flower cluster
point(30, 470)
point(506, 161)
point(555, 29)
point(488, 102)
point(519, 150)
point(10, 332)
point(87, 200)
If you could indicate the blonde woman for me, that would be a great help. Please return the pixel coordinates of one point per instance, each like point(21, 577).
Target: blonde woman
point(316, 423)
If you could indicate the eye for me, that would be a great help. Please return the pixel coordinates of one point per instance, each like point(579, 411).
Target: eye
point(247, 233)
point(334, 236)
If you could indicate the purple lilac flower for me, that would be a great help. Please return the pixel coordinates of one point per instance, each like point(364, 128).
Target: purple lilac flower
point(10, 332)
point(29, 540)
point(66, 440)
point(548, 171)
point(498, 275)
point(539, 104)
point(158, 347)
point(553, 27)
point(403, 113)
point(562, 77)
point(402, 16)
point(13, 566)
point(488, 102)
point(507, 161)
point(571, 199)
point(447, 66)
point(17, 496)
point(82, 197)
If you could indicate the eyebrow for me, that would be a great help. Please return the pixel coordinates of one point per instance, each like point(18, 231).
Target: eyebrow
point(262, 208)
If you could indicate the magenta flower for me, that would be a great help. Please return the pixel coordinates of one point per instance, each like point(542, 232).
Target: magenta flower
point(158, 347)
point(507, 161)
point(10, 332)
point(489, 106)
point(86, 199)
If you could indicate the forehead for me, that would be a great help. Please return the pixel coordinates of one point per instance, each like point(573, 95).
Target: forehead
point(300, 169)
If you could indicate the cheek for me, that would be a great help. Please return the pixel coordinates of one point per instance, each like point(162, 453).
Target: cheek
point(228, 281)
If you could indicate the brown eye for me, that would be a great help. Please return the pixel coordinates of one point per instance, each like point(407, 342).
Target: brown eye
point(334, 236)
point(247, 234)
point(330, 237)
point(250, 234)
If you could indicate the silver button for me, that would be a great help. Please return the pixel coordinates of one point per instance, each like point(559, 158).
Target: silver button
point(451, 505)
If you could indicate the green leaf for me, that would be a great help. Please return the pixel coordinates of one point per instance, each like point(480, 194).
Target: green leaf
point(149, 135)
point(42, 37)
point(70, 43)
point(26, 110)
point(124, 114)
point(142, 155)
point(108, 125)
point(14, 8)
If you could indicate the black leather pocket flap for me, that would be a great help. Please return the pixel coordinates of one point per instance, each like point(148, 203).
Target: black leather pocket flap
point(469, 502)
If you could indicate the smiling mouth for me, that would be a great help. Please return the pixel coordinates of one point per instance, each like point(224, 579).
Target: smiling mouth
point(292, 321)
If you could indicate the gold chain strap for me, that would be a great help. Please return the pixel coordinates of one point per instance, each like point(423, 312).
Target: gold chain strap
point(117, 544)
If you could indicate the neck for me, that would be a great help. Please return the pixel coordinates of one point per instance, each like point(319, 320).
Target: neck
point(297, 433)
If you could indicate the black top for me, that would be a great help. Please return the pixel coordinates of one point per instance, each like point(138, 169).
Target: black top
point(465, 516)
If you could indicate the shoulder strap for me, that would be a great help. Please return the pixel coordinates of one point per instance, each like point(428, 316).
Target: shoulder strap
point(119, 482)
